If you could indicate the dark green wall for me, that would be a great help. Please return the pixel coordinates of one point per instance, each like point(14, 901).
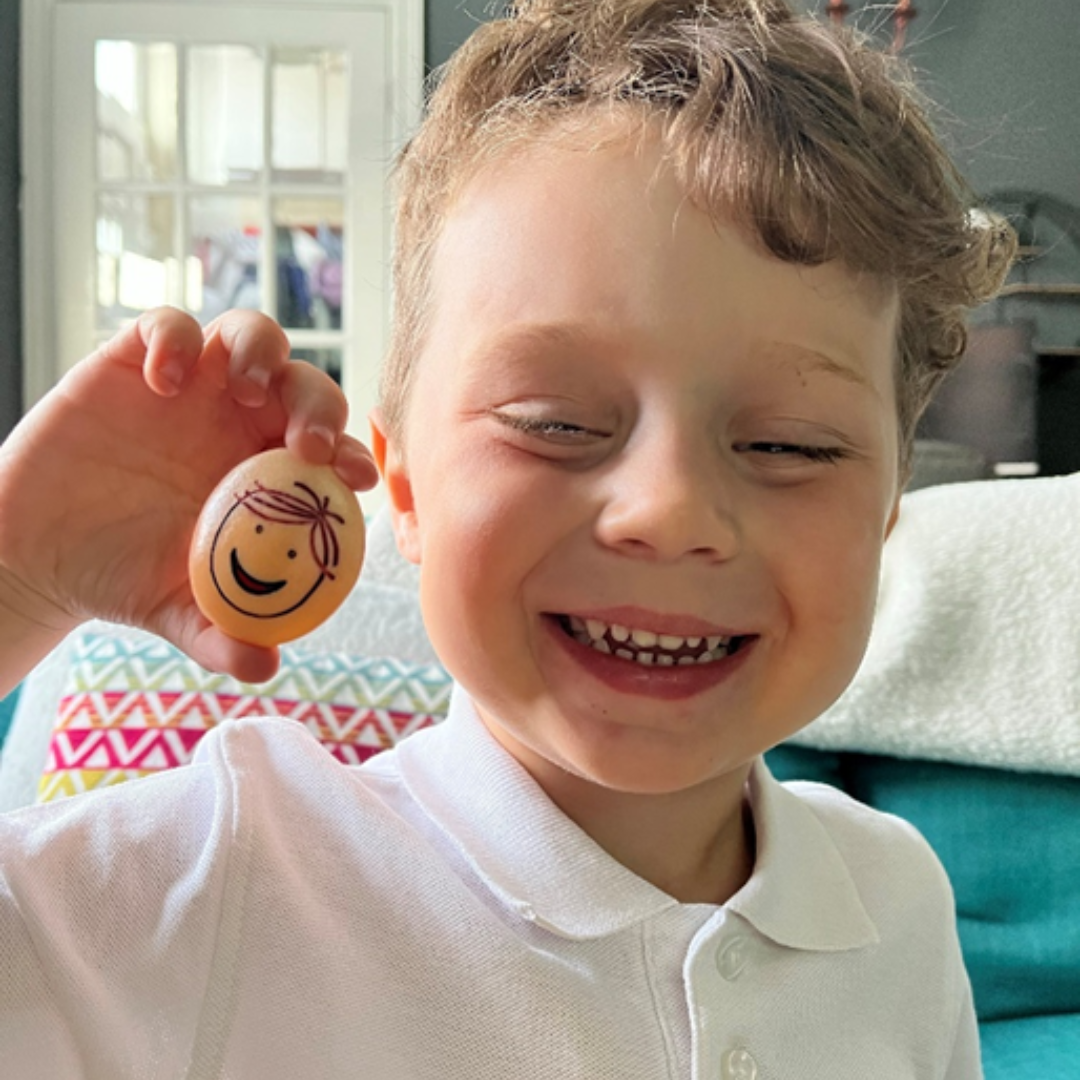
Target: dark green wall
point(1006, 71)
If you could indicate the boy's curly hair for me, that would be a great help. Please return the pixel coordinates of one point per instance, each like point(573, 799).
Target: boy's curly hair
point(804, 134)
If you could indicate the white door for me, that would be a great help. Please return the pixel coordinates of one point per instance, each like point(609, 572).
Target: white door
point(216, 155)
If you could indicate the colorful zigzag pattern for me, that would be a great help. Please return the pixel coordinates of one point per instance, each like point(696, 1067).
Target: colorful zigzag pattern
point(133, 708)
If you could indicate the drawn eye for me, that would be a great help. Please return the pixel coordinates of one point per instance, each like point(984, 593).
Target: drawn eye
point(258, 528)
point(292, 554)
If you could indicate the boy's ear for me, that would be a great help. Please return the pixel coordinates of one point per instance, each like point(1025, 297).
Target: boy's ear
point(893, 517)
point(396, 477)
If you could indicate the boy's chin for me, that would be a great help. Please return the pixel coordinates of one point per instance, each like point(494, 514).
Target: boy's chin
point(620, 758)
point(657, 775)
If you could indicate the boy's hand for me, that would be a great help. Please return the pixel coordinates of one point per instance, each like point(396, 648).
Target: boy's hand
point(102, 482)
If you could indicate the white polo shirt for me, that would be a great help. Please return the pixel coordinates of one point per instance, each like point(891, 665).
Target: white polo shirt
point(268, 913)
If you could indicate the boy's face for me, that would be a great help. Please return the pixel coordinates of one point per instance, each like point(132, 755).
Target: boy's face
point(624, 418)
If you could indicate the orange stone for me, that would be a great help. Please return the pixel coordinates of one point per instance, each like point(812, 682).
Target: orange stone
point(277, 548)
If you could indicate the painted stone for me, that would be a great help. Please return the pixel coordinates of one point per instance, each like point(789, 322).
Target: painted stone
point(277, 548)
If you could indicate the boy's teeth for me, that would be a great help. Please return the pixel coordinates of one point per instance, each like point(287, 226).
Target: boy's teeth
point(647, 647)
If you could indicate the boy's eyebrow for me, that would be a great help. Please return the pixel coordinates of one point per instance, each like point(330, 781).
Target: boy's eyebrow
point(813, 360)
point(569, 335)
point(545, 334)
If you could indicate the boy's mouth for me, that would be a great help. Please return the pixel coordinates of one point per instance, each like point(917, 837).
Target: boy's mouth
point(647, 648)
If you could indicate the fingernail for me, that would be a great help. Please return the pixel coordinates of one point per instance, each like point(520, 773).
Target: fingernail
point(323, 434)
point(172, 373)
point(260, 377)
point(258, 382)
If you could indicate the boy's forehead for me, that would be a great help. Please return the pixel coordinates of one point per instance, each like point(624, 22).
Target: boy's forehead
point(552, 161)
point(522, 216)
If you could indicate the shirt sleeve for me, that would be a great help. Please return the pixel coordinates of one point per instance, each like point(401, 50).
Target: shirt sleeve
point(966, 1062)
point(109, 910)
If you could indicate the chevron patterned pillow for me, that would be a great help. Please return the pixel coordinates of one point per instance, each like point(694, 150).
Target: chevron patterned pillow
point(135, 706)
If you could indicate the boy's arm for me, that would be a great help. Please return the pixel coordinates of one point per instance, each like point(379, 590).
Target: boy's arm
point(101, 483)
point(26, 636)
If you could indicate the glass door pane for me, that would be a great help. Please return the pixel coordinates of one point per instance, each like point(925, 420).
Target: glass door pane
point(309, 130)
point(310, 241)
point(136, 110)
point(224, 117)
point(137, 266)
point(226, 251)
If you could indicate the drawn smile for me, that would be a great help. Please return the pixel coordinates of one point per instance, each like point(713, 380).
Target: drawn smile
point(249, 583)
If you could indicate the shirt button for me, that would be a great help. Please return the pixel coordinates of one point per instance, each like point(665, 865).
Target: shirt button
point(732, 958)
point(739, 1065)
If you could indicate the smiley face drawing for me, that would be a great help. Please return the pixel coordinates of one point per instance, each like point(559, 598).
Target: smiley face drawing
point(276, 550)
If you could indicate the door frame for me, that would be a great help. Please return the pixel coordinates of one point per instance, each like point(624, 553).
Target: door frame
point(42, 362)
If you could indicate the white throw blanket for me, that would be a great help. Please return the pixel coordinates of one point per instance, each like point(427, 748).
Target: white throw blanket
point(975, 654)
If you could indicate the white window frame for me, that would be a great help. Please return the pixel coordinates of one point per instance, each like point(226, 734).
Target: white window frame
point(44, 360)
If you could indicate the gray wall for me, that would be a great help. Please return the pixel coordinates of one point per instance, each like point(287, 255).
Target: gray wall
point(10, 297)
point(449, 22)
point(1006, 72)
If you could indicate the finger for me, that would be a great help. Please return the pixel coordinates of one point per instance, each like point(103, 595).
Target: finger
point(355, 464)
point(191, 632)
point(315, 410)
point(165, 342)
point(216, 651)
point(253, 351)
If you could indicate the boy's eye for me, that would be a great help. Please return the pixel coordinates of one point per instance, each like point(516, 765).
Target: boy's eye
point(786, 451)
point(559, 431)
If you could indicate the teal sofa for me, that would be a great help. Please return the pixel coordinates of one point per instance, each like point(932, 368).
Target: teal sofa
point(1010, 842)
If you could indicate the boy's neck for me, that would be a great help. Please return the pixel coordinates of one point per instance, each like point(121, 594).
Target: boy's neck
point(696, 845)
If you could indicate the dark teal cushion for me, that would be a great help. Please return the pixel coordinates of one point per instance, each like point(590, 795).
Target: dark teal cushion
point(7, 711)
point(1010, 843)
point(788, 762)
point(1046, 1047)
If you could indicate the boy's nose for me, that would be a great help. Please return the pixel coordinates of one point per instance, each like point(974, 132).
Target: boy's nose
point(670, 501)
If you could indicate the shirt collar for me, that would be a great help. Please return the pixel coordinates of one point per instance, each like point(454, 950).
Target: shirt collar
point(548, 870)
point(801, 893)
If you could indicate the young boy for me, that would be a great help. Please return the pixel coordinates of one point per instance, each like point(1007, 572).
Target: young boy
point(674, 281)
